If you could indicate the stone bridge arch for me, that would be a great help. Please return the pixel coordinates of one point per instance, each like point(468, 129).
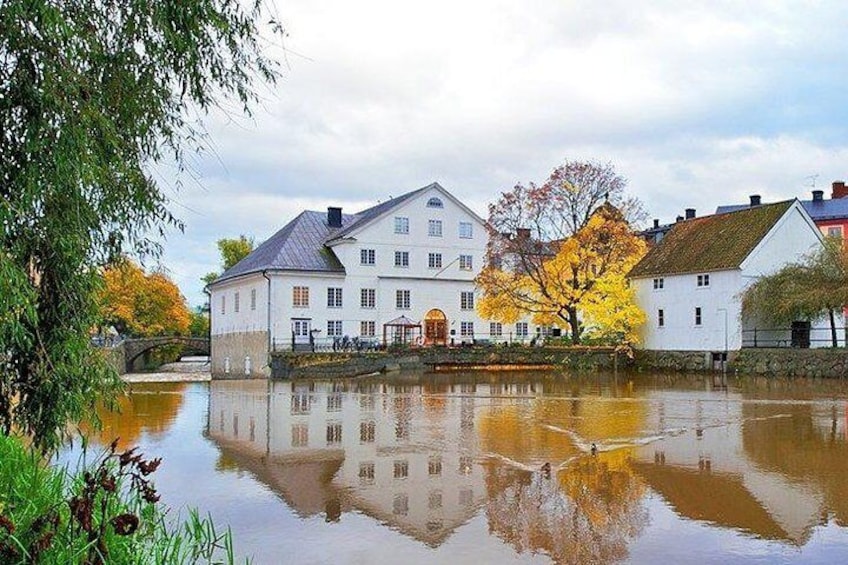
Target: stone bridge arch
point(135, 347)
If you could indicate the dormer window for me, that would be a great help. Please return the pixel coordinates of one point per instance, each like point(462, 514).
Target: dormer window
point(435, 203)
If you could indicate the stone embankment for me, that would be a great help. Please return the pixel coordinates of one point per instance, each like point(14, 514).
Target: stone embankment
point(287, 365)
point(824, 362)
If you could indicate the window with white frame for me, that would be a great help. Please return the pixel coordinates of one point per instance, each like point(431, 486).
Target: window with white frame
point(659, 283)
point(697, 315)
point(521, 329)
point(466, 329)
point(334, 328)
point(466, 300)
point(465, 263)
point(401, 469)
point(435, 203)
point(400, 504)
point(253, 299)
point(401, 225)
point(434, 260)
point(366, 473)
point(495, 329)
point(334, 433)
point(661, 318)
point(402, 299)
point(434, 228)
point(236, 302)
point(466, 230)
point(300, 435)
point(334, 297)
point(367, 328)
point(367, 431)
point(223, 304)
point(401, 258)
point(703, 280)
point(366, 256)
point(300, 297)
point(368, 298)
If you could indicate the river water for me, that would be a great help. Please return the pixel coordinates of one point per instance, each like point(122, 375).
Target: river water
point(500, 467)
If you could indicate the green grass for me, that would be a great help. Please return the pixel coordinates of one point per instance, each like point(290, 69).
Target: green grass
point(106, 513)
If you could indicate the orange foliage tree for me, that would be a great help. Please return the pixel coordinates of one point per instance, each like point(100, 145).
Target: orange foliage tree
point(142, 304)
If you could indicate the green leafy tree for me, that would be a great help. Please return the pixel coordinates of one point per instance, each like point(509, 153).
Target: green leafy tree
point(807, 290)
point(199, 325)
point(92, 94)
point(232, 251)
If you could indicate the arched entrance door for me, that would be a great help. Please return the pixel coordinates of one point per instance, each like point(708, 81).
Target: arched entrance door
point(435, 327)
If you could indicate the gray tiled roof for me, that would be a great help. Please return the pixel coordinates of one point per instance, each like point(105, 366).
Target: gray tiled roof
point(819, 210)
point(301, 244)
point(298, 246)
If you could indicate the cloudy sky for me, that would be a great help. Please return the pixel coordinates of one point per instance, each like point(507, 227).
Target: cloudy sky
point(697, 104)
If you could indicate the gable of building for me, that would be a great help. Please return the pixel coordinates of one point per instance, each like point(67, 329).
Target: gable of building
point(711, 243)
point(369, 216)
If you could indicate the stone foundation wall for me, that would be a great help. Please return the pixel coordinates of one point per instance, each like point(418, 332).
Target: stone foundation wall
point(289, 365)
point(240, 355)
point(827, 363)
point(677, 361)
point(576, 358)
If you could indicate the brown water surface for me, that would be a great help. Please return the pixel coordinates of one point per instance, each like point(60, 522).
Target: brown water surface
point(500, 467)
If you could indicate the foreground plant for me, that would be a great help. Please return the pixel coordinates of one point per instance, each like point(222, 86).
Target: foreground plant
point(93, 95)
point(109, 513)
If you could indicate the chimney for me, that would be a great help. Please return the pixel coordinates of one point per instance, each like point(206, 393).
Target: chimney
point(334, 217)
point(818, 195)
point(839, 189)
point(522, 233)
point(679, 219)
point(656, 223)
point(755, 200)
point(690, 213)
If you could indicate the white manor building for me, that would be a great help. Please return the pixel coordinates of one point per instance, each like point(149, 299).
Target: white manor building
point(690, 284)
point(410, 260)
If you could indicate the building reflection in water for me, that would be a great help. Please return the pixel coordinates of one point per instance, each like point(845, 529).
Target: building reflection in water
point(426, 455)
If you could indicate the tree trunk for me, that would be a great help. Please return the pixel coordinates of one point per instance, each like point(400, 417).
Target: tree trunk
point(833, 339)
point(574, 324)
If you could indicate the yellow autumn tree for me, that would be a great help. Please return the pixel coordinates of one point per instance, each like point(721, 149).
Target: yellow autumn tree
point(142, 304)
point(578, 282)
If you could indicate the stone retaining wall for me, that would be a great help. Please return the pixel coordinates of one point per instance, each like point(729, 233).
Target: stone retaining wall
point(677, 361)
point(828, 363)
point(289, 365)
point(242, 355)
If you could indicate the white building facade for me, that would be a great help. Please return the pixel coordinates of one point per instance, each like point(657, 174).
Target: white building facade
point(690, 284)
point(324, 277)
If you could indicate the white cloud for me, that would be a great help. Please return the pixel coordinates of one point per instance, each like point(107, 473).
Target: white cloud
point(697, 104)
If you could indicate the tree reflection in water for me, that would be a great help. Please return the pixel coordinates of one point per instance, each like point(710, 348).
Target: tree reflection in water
point(586, 513)
point(150, 409)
